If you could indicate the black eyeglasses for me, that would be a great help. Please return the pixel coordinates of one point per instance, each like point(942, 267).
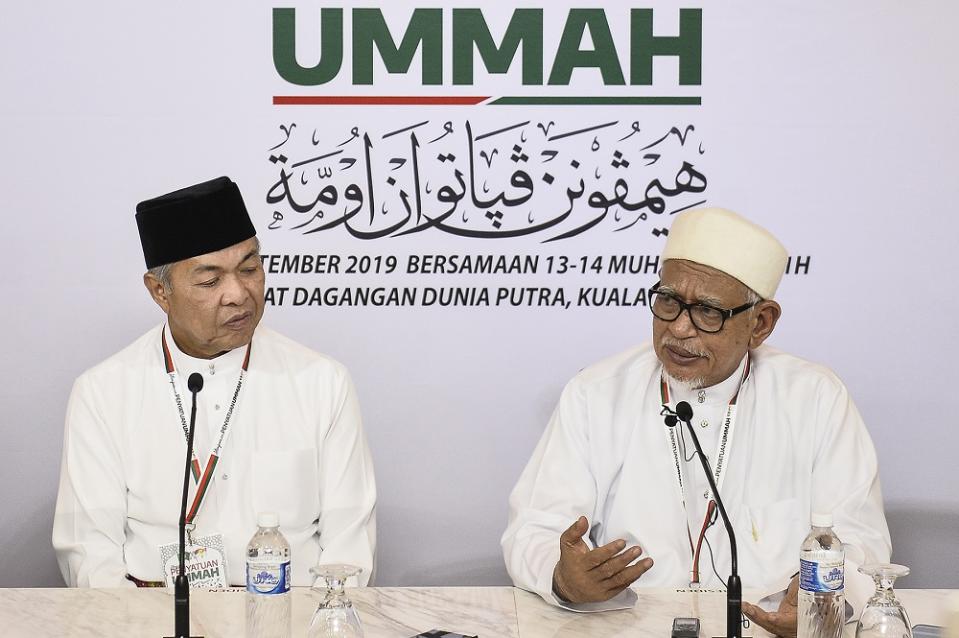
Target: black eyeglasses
point(668, 307)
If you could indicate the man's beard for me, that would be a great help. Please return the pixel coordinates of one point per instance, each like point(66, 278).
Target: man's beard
point(687, 383)
point(690, 384)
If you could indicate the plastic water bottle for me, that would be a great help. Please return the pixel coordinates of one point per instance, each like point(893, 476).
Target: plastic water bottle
point(822, 604)
point(268, 581)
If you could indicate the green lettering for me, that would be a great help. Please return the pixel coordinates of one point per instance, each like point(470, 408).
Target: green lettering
point(602, 56)
point(688, 46)
point(470, 29)
point(370, 29)
point(284, 47)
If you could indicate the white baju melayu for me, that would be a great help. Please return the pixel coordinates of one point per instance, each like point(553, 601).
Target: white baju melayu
point(295, 446)
point(797, 445)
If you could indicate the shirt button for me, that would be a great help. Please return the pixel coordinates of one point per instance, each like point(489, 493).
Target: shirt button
point(216, 407)
point(702, 396)
point(226, 477)
point(706, 495)
point(704, 424)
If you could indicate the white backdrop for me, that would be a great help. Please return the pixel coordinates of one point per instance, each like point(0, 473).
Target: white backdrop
point(833, 124)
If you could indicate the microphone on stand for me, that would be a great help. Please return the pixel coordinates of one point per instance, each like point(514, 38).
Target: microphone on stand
point(181, 586)
point(734, 587)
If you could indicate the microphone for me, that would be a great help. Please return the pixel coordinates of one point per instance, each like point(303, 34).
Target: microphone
point(683, 410)
point(194, 384)
point(734, 587)
point(181, 586)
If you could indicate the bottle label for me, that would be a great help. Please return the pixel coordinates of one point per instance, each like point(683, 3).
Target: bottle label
point(268, 578)
point(824, 576)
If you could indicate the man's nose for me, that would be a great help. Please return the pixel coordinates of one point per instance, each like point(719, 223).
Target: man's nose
point(234, 292)
point(683, 326)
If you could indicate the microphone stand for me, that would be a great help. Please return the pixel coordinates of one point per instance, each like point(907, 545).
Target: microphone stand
point(181, 585)
point(734, 587)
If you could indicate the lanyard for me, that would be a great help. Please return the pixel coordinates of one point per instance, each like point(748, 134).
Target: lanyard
point(729, 423)
point(202, 479)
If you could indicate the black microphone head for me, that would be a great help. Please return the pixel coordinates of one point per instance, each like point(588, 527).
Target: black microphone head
point(195, 382)
point(670, 420)
point(684, 411)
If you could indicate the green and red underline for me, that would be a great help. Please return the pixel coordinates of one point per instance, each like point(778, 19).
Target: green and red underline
point(472, 100)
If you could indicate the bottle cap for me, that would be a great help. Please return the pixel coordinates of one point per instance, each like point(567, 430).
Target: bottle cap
point(821, 520)
point(267, 519)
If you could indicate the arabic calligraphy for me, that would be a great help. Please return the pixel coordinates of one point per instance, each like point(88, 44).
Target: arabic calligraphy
point(525, 178)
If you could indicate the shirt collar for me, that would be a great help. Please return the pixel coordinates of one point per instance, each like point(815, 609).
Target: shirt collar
point(719, 394)
point(228, 363)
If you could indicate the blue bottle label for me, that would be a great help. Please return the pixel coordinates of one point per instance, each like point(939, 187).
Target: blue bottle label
point(821, 576)
point(268, 579)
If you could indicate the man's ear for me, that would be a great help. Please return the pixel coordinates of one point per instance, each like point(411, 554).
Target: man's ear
point(159, 292)
point(767, 314)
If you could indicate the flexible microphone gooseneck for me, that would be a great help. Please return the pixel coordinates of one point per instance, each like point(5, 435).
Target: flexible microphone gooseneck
point(734, 587)
point(181, 586)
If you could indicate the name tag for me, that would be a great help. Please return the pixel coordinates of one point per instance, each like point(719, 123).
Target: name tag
point(205, 562)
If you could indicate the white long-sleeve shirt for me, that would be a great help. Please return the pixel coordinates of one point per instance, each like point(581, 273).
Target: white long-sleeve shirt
point(296, 447)
point(798, 446)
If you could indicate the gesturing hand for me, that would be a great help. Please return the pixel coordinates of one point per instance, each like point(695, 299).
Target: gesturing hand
point(585, 575)
point(782, 622)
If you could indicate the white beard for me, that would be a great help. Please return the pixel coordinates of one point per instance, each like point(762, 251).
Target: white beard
point(693, 383)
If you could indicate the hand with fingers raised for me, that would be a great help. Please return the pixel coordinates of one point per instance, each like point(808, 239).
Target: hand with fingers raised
point(782, 622)
point(585, 575)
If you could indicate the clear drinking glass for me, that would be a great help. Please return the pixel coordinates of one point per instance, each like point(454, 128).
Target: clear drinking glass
point(883, 616)
point(335, 617)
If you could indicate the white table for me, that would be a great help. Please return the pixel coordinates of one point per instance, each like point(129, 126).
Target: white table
point(394, 612)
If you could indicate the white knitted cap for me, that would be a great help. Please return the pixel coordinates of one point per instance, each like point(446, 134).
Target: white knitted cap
point(725, 241)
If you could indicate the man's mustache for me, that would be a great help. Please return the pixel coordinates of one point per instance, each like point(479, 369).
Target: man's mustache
point(689, 348)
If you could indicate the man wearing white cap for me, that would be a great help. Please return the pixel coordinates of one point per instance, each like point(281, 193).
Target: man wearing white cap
point(612, 495)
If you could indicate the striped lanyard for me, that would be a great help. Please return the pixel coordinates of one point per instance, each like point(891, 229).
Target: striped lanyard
point(202, 478)
point(729, 423)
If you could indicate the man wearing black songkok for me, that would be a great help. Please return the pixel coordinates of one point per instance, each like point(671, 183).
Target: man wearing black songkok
point(278, 426)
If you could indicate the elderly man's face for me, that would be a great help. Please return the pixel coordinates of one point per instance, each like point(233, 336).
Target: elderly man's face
point(214, 301)
point(698, 357)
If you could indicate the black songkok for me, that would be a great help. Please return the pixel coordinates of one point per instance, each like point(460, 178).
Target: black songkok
point(192, 221)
